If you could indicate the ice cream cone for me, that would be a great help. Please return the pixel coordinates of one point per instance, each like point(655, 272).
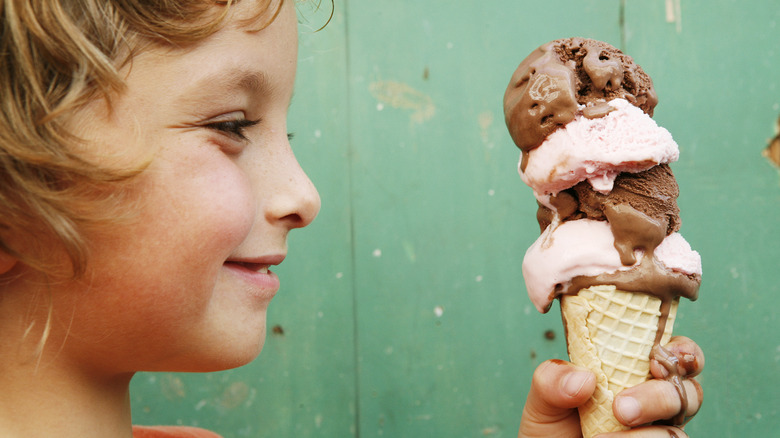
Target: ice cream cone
point(611, 332)
point(580, 110)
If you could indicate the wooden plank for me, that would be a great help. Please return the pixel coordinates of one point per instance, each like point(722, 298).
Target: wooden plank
point(716, 67)
point(415, 256)
point(447, 337)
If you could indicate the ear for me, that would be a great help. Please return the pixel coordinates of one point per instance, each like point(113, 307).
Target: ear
point(7, 262)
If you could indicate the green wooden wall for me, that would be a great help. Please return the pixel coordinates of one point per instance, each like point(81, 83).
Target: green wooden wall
point(403, 311)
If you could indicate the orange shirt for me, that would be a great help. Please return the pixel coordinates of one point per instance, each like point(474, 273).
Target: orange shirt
point(171, 432)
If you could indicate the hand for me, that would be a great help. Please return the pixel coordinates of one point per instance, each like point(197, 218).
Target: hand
point(558, 387)
point(657, 400)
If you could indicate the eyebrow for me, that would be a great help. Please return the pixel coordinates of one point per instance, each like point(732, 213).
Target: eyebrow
point(203, 89)
point(249, 80)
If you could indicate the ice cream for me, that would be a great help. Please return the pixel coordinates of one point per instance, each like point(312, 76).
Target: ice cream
point(580, 111)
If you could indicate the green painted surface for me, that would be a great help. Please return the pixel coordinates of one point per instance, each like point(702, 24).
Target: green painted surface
point(402, 307)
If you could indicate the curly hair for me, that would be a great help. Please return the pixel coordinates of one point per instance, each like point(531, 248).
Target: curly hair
point(55, 57)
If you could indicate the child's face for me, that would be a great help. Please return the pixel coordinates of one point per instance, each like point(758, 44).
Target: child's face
point(184, 285)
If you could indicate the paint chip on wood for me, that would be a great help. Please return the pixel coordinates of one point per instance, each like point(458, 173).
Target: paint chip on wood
point(674, 14)
point(772, 151)
point(402, 96)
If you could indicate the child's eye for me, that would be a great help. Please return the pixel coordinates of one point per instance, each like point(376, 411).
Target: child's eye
point(235, 128)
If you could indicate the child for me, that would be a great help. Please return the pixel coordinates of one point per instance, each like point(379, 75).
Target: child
point(147, 186)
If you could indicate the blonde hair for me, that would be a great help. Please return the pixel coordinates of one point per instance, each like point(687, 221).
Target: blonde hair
point(56, 56)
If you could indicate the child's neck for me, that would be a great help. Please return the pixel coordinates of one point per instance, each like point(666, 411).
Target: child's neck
point(46, 402)
point(45, 394)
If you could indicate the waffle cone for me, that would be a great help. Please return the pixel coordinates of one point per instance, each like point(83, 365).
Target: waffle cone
point(611, 332)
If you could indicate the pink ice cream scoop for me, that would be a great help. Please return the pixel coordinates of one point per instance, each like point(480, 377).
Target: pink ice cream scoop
point(597, 150)
point(586, 248)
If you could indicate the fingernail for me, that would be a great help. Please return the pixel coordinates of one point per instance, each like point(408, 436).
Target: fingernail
point(628, 409)
point(573, 382)
point(689, 363)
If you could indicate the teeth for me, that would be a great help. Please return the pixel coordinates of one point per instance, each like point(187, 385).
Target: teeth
point(256, 267)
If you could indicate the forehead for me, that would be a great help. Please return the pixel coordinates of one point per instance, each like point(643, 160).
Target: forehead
point(237, 54)
point(258, 25)
point(236, 68)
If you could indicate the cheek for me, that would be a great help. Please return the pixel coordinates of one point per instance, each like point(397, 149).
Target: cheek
point(192, 219)
point(165, 266)
point(227, 208)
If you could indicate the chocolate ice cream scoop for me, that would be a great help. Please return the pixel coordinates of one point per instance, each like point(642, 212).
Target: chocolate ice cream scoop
point(546, 88)
point(653, 192)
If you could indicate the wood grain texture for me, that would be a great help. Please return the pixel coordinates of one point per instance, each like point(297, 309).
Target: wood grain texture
point(402, 307)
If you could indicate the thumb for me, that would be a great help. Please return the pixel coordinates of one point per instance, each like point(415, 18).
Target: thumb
point(556, 389)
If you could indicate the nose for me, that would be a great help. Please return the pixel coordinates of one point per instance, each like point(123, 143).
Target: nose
point(296, 201)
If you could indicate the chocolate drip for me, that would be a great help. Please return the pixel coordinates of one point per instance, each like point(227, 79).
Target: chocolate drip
point(647, 277)
point(668, 360)
point(598, 110)
point(605, 71)
point(540, 98)
point(635, 231)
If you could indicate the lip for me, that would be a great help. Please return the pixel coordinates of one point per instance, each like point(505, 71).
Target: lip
point(256, 272)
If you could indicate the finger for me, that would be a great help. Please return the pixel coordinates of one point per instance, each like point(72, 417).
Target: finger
point(556, 389)
point(690, 358)
point(648, 432)
point(655, 400)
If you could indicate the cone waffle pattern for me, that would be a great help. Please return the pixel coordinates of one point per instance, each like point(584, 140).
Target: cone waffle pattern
point(611, 332)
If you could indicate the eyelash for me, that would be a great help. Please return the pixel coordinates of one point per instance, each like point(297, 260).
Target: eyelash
point(237, 127)
point(234, 128)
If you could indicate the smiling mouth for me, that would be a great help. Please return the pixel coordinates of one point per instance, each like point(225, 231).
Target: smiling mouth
point(254, 267)
point(257, 274)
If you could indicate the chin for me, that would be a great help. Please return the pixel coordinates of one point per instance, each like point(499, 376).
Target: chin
point(248, 357)
point(238, 354)
point(221, 360)
point(231, 343)
point(219, 354)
